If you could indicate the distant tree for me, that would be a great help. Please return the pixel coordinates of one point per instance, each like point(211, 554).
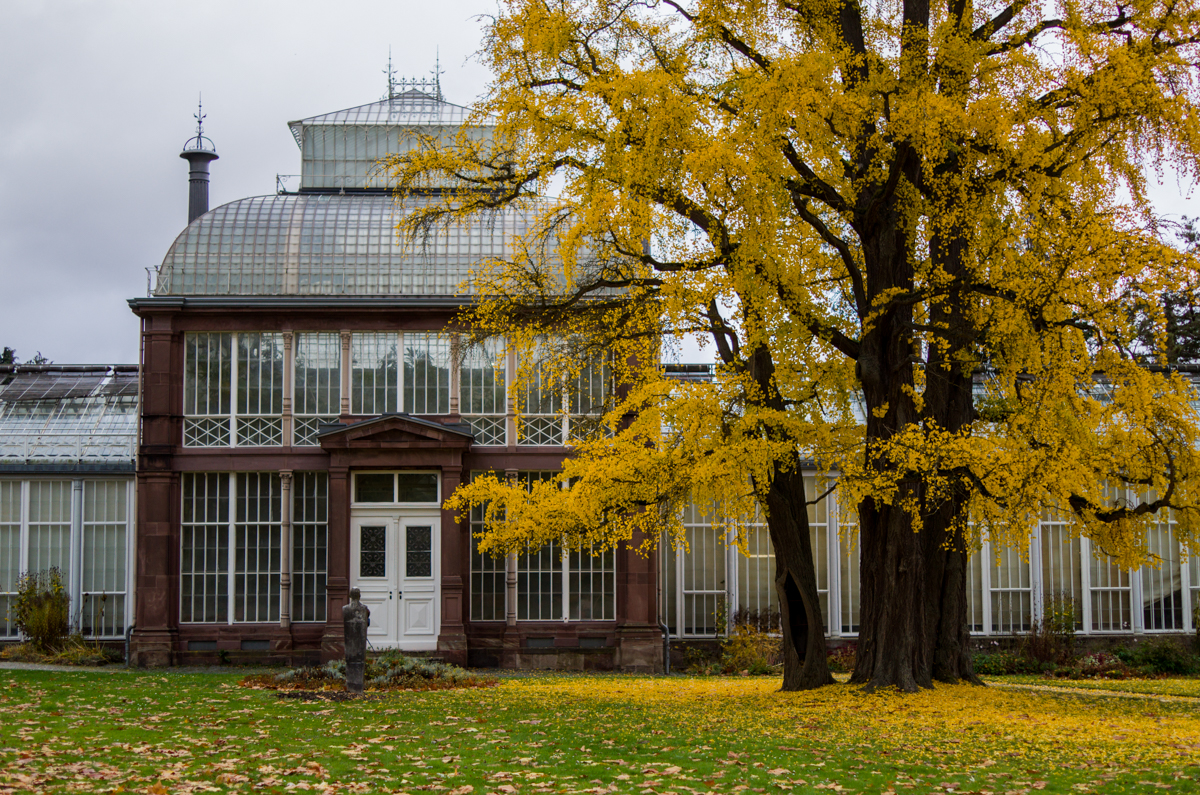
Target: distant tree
point(9, 357)
point(1174, 338)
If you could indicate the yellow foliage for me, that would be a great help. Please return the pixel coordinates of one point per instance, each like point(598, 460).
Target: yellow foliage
point(852, 218)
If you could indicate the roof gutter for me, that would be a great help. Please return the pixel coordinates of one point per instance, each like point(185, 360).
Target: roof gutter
point(303, 302)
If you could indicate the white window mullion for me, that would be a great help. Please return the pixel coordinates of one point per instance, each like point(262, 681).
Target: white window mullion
point(985, 577)
point(833, 516)
point(24, 526)
point(233, 390)
point(1085, 581)
point(1185, 585)
point(1036, 606)
point(75, 544)
point(230, 587)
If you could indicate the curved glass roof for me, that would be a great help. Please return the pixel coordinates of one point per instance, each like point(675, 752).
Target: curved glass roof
point(328, 244)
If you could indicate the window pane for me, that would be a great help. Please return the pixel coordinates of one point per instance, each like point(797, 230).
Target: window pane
point(374, 374)
point(418, 551)
point(207, 379)
point(10, 552)
point(204, 548)
point(426, 373)
point(482, 379)
point(257, 535)
point(102, 612)
point(260, 373)
point(310, 507)
point(417, 487)
point(374, 487)
point(50, 526)
point(372, 550)
point(318, 374)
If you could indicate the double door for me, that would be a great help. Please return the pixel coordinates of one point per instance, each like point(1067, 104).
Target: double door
point(395, 563)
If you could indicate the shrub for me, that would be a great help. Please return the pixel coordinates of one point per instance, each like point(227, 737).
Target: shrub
point(390, 670)
point(843, 660)
point(40, 609)
point(765, 620)
point(1052, 641)
point(1159, 656)
point(1004, 662)
point(1100, 665)
point(749, 649)
point(698, 660)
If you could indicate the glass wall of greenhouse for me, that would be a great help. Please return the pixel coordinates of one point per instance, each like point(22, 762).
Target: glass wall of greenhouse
point(709, 584)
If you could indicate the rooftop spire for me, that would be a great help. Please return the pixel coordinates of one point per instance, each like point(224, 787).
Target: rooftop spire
point(199, 151)
point(391, 78)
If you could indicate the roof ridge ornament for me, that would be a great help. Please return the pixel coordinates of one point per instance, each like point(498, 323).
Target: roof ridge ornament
point(397, 87)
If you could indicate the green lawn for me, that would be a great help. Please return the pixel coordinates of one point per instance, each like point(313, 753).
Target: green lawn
point(168, 732)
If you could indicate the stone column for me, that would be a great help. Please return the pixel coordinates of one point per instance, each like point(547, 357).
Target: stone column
point(452, 640)
point(289, 386)
point(639, 639)
point(285, 549)
point(338, 562)
point(345, 374)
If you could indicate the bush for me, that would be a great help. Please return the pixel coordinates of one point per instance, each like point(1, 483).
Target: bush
point(390, 670)
point(843, 660)
point(1100, 665)
point(1052, 642)
point(1004, 662)
point(40, 609)
point(1159, 656)
point(750, 650)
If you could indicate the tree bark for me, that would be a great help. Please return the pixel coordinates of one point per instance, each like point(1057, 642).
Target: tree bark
point(805, 662)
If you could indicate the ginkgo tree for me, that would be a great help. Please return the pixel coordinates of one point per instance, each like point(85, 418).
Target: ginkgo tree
point(916, 235)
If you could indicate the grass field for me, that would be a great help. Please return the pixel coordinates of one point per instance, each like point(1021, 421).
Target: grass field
point(156, 732)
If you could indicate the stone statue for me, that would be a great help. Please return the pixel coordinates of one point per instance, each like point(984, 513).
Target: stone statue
point(356, 617)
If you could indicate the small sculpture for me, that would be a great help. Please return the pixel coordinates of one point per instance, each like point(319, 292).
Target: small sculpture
point(356, 617)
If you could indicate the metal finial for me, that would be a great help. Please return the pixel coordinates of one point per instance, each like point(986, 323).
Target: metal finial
point(437, 73)
point(391, 78)
point(199, 115)
point(197, 142)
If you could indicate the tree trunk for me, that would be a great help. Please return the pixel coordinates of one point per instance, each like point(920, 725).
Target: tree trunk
point(805, 662)
point(894, 645)
point(949, 405)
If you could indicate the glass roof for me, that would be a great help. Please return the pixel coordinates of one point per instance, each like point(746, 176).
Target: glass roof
point(52, 414)
point(410, 108)
point(329, 244)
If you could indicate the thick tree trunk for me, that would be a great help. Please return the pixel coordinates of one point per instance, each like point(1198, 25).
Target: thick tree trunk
point(805, 663)
point(894, 636)
point(949, 405)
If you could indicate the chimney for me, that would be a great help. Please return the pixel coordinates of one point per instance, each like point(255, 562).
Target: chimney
point(199, 151)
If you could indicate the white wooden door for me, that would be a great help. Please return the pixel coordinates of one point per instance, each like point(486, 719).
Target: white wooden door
point(396, 564)
point(374, 554)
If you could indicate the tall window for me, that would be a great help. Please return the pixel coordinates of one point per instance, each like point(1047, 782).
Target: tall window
point(426, 373)
point(541, 421)
point(233, 389)
point(1162, 581)
point(482, 395)
point(1062, 565)
point(849, 567)
point(10, 552)
point(488, 576)
point(231, 547)
point(374, 374)
point(310, 545)
point(105, 524)
point(1012, 592)
point(318, 391)
point(702, 578)
point(757, 603)
point(50, 526)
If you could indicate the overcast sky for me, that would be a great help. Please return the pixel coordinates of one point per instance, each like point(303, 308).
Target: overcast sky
point(96, 101)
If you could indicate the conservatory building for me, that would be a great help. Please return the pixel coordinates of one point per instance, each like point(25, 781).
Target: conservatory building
point(308, 407)
point(68, 439)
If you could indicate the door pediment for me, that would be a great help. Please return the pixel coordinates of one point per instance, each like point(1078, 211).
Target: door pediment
point(395, 432)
